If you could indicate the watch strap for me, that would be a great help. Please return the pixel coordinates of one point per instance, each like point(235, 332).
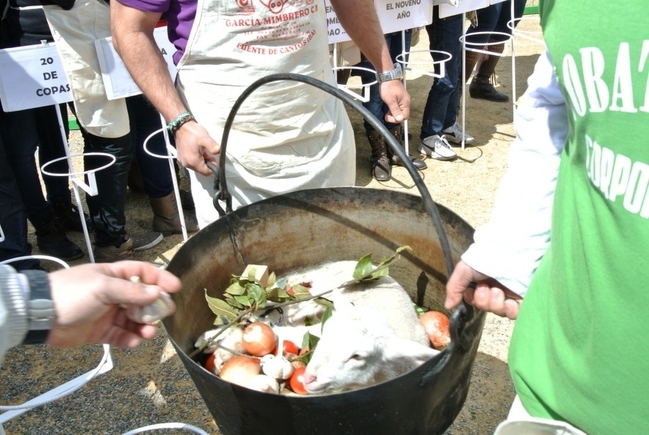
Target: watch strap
point(40, 308)
point(393, 74)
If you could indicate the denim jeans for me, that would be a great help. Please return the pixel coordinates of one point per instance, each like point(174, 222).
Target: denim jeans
point(144, 120)
point(494, 18)
point(375, 104)
point(440, 111)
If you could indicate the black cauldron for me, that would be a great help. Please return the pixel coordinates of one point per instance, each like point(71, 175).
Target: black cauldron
point(308, 228)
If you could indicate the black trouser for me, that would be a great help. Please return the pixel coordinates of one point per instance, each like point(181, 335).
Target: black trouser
point(144, 120)
point(106, 209)
point(13, 220)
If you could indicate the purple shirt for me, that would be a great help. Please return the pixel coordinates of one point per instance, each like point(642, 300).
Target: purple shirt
point(179, 14)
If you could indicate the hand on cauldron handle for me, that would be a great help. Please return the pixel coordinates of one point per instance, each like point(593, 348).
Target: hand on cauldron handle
point(220, 189)
point(459, 320)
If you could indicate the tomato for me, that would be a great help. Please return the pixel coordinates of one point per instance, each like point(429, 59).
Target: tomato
point(290, 347)
point(296, 381)
point(436, 325)
point(209, 363)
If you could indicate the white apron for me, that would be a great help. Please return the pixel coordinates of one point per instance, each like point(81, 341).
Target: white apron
point(287, 135)
point(75, 32)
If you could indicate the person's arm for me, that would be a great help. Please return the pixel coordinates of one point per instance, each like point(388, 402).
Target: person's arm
point(132, 32)
point(88, 303)
point(13, 309)
point(360, 21)
point(507, 250)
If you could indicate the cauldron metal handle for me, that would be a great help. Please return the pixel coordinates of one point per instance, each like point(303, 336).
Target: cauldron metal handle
point(220, 183)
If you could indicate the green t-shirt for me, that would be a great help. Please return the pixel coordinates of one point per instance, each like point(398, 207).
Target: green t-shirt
point(580, 348)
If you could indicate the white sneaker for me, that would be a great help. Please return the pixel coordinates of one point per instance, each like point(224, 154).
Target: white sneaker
point(437, 147)
point(455, 133)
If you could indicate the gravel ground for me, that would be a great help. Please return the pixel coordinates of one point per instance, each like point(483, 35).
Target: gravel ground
point(149, 385)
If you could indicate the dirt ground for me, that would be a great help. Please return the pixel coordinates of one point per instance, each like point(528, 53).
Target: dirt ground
point(149, 385)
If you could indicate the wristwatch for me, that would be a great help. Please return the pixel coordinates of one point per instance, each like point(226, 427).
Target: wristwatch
point(40, 308)
point(394, 74)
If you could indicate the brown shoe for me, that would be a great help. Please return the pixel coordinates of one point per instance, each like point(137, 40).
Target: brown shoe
point(166, 218)
point(138, 242)
point(379, 160)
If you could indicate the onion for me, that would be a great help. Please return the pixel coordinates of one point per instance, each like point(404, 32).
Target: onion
point(264, 383)
point(259, 339)
point(276, 367)
point(436, 325)
point(240, 370)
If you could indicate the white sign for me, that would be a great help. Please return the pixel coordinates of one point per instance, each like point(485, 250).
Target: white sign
point(32, 76)
point(117, 80)
point(447, 10)
point(394, 16)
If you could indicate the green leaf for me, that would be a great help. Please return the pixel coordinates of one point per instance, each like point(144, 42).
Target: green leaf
point(326, 315)
point(231, 301)
point(256, 294)
point(235, 289)
point(364, 267)
point(220, 307)
point(243, 300)
point(252, 275)
point(299, 291)
point(324, 301)
point(308, 341)
point(220, 320)
point(271, 280)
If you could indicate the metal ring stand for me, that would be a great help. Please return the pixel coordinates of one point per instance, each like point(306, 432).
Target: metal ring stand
point(90, 188)
point(408, 65)
point(364, 87)
point(37, 257)
point(529, 35)
point(405, 60)
point(512, 24)
point(479, 47)
point(169, 157)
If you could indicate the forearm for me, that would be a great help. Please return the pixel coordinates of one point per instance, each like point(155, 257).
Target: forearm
point(360, 21)
point(132, 32)
point(510, 246)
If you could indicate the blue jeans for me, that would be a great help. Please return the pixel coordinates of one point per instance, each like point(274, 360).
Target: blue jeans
point(375, 104)
point(144, 120)
point(494, 18)
point(440, 111)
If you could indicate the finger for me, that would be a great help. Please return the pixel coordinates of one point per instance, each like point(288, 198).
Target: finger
point(395, 114)
point(511, 308)
point(456, 289)
point(128, 334)
point(489, 299)
point(147, 273)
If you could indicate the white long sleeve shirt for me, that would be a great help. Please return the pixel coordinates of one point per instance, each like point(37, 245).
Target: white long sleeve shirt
point(510, 246)
point(13, 310)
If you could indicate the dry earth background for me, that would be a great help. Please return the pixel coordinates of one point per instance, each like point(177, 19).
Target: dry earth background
point(149, 385)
